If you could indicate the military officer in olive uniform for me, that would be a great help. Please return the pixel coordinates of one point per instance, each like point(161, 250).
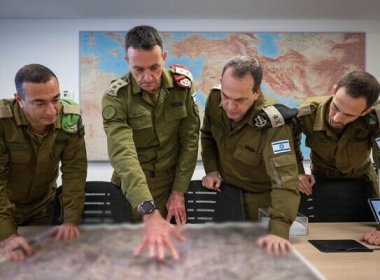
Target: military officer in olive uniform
point(341, 131)
point(152, 125)
point(247, 142)
point(38, 132)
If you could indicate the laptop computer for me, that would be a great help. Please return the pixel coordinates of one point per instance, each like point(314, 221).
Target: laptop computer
point(374, 204)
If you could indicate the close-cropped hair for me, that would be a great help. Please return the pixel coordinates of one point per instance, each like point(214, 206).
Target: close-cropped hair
point(361, 84)
point(143, 37)
point(32, 73)
point(245, 65)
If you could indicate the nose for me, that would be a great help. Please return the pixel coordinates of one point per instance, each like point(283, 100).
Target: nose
point(147, 76)
point(338, 117)
point(231, 105)
point(51, 109)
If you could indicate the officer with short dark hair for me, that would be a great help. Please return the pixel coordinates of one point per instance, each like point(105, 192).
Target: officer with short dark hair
point(342, 130)
point(151, 121)
point(38, 132)
point(247, 142)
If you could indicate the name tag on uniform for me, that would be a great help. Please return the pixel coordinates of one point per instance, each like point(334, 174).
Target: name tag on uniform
point(378, 142)
point(282, 146)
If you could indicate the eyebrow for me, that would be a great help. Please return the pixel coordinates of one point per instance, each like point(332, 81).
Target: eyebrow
point(43, 100)
point(237, 99)
point(339, 110)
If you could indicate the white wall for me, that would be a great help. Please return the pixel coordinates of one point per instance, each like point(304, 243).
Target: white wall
point(55, 43)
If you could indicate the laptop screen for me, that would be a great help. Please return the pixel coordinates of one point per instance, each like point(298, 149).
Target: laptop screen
point(374, 203)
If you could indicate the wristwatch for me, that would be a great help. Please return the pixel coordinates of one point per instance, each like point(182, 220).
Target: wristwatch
point(146, 207)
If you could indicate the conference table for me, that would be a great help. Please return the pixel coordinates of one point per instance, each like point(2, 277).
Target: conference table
point(211, 251)
point(354, 265)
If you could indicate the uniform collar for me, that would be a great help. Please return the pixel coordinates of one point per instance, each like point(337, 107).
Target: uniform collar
point(320, 122)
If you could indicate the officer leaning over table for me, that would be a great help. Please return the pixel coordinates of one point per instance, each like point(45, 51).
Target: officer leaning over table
point(151, 121)
point(342, 130)
point(247, 142)
point(39, 131)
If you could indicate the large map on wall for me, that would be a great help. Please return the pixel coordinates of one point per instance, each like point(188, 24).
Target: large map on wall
point(296, 65)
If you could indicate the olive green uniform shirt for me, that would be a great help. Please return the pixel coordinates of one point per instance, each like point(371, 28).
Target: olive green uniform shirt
point(344, 156)
point(245, 157)
point(152, 136)
point(29, 168)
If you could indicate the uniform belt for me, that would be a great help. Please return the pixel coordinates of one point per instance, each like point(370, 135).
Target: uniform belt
point(334, 174)
point(158, 173)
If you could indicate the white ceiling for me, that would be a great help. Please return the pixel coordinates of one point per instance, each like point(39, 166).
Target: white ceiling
point(192, 9)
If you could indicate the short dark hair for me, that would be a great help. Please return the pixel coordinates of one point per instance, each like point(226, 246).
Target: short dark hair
point(33, 73)
point(245, 65)
point(361, 84)
point(143, 37)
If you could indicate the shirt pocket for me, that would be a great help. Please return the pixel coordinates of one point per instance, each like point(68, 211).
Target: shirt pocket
point(140, 121)
point(248, 156)
point(359, 152)
point(19, 153)
point(286, 170)
point(320, 146)
point(174, 114)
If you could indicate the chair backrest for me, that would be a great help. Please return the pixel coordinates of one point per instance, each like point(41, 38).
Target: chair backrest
point(104, 204)
point(337, 200)
point(204, 205)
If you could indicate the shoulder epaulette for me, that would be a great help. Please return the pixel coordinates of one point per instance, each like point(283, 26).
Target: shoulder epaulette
point(373, 117)
point(5, 112)
point(274, 116)
point(304, 111)
point(115, 85)
point(217, 87)
point(182, 76)
point(71, 109)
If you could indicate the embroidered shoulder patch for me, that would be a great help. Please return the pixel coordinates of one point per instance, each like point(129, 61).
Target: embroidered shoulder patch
point(182, 76)
point(282, 146)
point(378, 142)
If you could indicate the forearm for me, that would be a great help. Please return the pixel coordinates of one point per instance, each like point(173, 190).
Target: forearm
point(74, 173)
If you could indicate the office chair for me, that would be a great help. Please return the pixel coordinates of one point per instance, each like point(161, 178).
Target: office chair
point(337, 200)
point(104, 204)
point(204, 205)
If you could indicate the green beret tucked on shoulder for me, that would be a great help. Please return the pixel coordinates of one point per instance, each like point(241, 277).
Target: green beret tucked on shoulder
point(373, 117)
point(71, 117)
point(115, 85)
point(274, 116)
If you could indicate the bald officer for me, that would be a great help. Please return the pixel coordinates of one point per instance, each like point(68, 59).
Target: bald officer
point(152, 127)
point(39, 131)
point(247, 143)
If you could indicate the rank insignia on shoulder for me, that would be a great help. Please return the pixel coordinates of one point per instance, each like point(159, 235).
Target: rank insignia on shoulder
point(217, 87)
point(182, 76)
point(114, 87)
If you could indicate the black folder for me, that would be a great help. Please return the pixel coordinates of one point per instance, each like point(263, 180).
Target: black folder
point(340, 246)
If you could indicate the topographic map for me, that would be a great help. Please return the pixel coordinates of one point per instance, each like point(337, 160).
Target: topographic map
point(212, 252)
point(296, 66)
